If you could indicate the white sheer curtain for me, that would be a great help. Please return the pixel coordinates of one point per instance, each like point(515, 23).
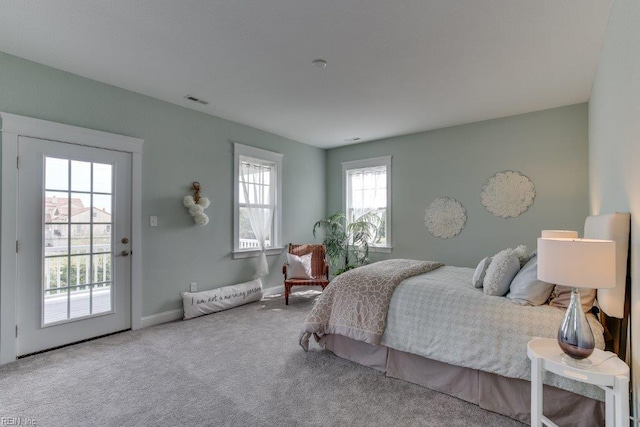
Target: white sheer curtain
point(368, 191)
point(255, 182)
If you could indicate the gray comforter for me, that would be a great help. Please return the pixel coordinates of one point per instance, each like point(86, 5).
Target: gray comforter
point(441, 316)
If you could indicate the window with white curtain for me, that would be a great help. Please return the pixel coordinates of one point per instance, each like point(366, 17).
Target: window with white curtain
point(257, 207)
point(367, 189)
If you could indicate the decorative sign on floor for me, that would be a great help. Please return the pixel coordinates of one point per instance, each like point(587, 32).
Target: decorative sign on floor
point(206, 302)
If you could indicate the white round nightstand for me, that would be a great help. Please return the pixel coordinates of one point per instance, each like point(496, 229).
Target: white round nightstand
point(606, 371)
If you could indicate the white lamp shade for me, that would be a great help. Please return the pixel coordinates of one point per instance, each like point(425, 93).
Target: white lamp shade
point(580, 263)
point(559, 234)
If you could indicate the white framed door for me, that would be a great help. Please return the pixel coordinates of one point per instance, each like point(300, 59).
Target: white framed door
point(15, 128)
point(74, 242)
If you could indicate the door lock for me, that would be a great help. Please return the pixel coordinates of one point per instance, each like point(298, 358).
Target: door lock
point(125, 240)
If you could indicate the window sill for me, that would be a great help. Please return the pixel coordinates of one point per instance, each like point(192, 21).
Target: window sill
point(255, 253)
point(381, 249)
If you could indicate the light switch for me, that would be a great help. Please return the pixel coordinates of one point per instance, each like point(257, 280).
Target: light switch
point(153, 221)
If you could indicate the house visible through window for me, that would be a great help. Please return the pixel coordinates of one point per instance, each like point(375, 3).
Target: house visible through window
point(257, 219)
point(367, 185)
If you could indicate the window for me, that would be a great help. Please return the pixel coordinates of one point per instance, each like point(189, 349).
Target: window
point(367, 189)
point(258, 197)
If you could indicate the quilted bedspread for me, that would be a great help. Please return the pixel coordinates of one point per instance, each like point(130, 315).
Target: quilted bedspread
point(355, 303)
point(441, 316)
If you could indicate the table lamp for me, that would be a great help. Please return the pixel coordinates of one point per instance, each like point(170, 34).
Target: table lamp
point(562, 234)
point(578, 263)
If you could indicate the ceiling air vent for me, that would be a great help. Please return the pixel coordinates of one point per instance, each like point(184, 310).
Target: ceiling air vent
point(198, 100)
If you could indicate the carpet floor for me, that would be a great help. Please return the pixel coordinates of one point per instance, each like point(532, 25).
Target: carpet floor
point(241, 367)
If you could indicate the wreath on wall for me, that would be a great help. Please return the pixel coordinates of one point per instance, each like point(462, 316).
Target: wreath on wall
point(445, 217)
point(196, 205)
point(508, 194)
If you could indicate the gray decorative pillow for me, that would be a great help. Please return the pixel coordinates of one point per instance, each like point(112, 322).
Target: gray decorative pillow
point(526, 289)
point(481, 271)
point(501, 271)
point(522, 254)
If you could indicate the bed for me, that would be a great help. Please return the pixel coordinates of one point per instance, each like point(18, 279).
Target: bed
point(442, 333)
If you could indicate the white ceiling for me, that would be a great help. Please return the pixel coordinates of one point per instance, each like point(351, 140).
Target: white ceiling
point(395, 67)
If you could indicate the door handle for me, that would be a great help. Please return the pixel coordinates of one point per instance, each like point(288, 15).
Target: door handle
point(123, 253)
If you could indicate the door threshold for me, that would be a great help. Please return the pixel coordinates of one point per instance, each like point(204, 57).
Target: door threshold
point(72, 343)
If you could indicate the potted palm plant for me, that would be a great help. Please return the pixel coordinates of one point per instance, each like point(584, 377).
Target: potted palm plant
point(348, 243)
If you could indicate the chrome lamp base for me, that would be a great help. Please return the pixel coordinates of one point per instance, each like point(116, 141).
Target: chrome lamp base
point(575, 336)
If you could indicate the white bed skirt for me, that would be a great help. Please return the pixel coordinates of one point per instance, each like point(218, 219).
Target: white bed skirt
point(506, 396)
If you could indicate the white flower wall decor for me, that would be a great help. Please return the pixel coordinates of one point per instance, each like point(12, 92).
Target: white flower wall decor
point(445, 217)
point(196, 205)
point(508, 194)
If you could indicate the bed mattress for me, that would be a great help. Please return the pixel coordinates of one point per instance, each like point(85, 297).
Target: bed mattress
point(441, 316)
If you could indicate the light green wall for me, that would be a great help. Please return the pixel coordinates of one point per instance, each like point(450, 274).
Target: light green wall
point(181, 146)
point(184, 146)
point(614, 141)
point(550, 147)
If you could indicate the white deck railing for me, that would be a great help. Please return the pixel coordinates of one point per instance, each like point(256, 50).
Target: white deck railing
point(250, 243)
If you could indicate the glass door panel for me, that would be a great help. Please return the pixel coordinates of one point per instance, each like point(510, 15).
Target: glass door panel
point(77, 240)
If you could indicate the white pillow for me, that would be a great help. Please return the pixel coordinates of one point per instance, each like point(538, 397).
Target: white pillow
point(501, 271)
point(299, 266)
point(526, 289)
point(481, 271)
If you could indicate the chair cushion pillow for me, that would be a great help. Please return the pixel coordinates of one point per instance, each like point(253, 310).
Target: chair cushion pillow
point(501, 271)
point(526, 289)
point(299, 267)
point(481, 271)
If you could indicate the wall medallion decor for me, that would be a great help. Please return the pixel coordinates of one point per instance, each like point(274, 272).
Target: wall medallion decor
point(196, 205)
point(445, 217)
point(508, 194)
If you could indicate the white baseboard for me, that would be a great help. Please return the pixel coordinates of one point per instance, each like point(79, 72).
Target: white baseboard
point(164, 317)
